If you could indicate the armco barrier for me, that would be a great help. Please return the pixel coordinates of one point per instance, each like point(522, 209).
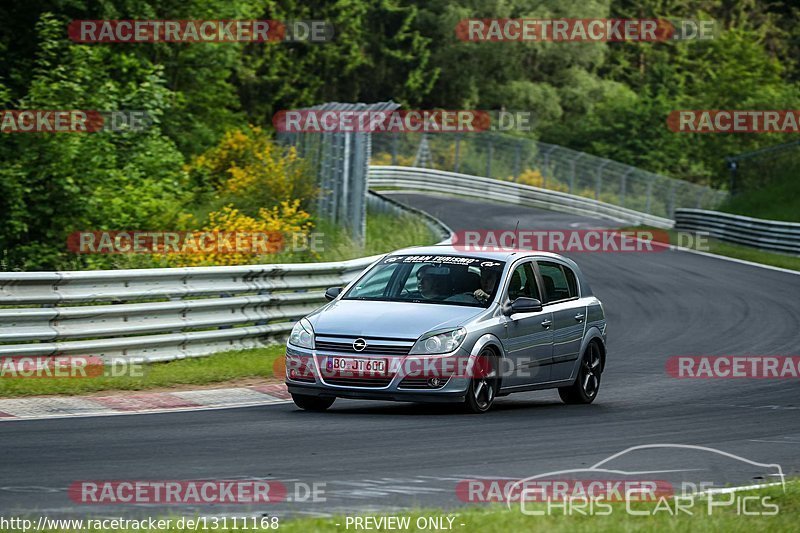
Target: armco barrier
point(169, 313)
point(440, 181)
point(765, 234)
point(247, 306)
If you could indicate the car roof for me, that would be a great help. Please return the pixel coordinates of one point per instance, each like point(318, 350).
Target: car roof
point(497, 254)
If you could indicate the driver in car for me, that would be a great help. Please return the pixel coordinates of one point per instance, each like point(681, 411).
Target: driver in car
point(489, 278)
point(432, 282)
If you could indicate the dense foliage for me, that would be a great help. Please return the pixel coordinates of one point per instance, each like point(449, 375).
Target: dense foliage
point(608, 99)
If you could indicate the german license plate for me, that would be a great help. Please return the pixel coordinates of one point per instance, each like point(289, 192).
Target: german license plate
point(366, 366)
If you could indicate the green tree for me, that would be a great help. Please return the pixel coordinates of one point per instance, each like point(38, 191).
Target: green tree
point(54, 184)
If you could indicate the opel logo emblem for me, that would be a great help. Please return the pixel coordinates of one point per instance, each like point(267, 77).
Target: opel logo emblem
point(359, 345)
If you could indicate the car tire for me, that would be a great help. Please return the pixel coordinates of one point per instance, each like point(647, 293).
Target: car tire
point(312, 403)
point(482, 390)
point(587, 383)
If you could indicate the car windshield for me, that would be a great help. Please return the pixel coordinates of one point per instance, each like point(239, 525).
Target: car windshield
point(436, 279)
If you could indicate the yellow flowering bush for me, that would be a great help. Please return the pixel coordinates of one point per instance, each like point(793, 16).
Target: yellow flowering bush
point(250, 170)
point(385, 158)
point(534, 178)
point(445, 159)
point(256, 196)
point(258, 236)
point(530, 177)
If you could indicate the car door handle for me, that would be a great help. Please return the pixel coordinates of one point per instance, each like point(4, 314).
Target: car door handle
point(546, 324)
point(579, 317)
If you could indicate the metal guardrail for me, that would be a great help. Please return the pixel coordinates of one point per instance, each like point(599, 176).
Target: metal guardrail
point(169, 313)
point(430, 180)
point(764, 234)
point(247, 306)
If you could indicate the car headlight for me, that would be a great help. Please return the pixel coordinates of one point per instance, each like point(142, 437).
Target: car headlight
point(433, 343)
point(302, 335)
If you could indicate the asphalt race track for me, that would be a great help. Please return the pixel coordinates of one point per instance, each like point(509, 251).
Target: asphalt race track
point(384, 456)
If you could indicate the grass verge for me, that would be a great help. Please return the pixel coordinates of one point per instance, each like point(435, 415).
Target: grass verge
point(221, 367)
point(715, 246)
point(773, 197)
point(659, 516)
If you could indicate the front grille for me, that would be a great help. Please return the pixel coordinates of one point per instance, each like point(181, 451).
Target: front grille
point(374, 347)
point(359, 382)
point(420, 383)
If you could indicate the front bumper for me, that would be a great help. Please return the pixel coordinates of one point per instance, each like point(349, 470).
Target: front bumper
point(437, 396)
point(453, 390)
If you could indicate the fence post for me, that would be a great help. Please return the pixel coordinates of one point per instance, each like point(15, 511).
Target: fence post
point(546, 166)
point(394, 147)
point(489, 151)
point(458, 152)
point(572, 163)
point(571, 175)
point(517, 159)
point(358, 158)
point(326, 168)
point(598, 179)
point(598, 176)
point(733, 166)
point(622, 185)
point(649, 194)
point(671, 200)
point(342, 187)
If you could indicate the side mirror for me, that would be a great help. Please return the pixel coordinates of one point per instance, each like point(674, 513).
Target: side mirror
point(522, 305)
point(332, 293)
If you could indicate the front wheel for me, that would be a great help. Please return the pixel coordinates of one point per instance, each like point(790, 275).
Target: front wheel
point(312, 403)
point(587, 384)
point(483, 386)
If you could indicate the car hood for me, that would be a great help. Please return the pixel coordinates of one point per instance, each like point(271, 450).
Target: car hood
point(387, 319)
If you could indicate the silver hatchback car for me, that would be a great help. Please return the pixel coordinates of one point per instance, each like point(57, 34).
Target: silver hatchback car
point(438, 324)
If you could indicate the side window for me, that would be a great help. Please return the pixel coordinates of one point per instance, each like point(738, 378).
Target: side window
point(559, 281)
point(523, 283)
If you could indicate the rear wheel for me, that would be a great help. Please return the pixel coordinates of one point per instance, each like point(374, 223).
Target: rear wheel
point(587, 383)
point(483, 386)
point(312, 403)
